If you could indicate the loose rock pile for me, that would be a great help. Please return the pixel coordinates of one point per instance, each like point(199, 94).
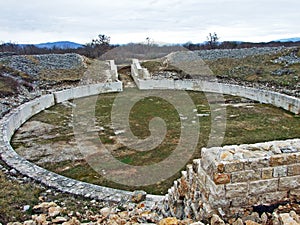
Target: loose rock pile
point(47, 213)
point(32, 65)
point(237, 53)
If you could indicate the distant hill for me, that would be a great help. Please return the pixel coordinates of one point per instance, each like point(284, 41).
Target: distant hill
point(289, 39)
point(59, 44)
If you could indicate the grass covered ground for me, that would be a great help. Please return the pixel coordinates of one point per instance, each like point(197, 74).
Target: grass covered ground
point(247, 122)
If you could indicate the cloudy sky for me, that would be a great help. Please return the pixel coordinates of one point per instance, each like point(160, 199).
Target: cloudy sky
point(169, 21)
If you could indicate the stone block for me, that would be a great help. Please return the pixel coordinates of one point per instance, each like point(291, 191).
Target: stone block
point(288, 183)
point(220, 167)
point(280, 171)
point(222, 178)
point(234, 166)
point(257, 163)
point(267, 198)
point(201, 181)
point(196, 165)
point(215, 190)
point(217, 202)
point(244, 176)
point(240, 201)
point(236, 190)
point(278, 160)
point(274, 197)
point(292, 158)
point(263, 186)
point(294, 170)
point(267, 173)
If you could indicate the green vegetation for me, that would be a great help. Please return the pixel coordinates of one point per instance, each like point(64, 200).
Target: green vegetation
point(13, 197)
point(246, 123)
point(257, 68)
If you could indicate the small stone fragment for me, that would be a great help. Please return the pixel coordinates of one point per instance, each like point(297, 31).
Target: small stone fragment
point(59, 220)
point(105, 211)
point(26, 208)
point(73, 221)
point(250, 222)
point(264, 218)
point(169, 221)
point(45, 205)
point(216, 220)
point(239, 221)
point(138, 196)
point(54, 211)
point(29, 222)
point(286, 219)
point(41, 219)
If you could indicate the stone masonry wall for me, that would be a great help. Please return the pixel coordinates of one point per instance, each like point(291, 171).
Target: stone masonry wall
point(227, 180)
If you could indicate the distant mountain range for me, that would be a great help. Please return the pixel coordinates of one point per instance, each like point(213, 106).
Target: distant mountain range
point(289, 39)
point(58, 44)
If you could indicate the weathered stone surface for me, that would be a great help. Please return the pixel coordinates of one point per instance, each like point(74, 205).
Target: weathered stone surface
point(215, 190)
point(221, 178)
point(254, 164)
point(216, 220)
point(29, 222)
point(238, 201)
point(286, 219)
point(294, 170)
point(236, 190)
point(169, 221)
point(267, 173)
point(278, 160)
point(138, 196)
point(295, 193)
point(105, 211)
point(239, 221)
point(265, 186)
point(54, 211)
point(287, 183)
point(250, 222)
point(234, 166)
point(280, 171)
point(296, 217)
point(244, 176)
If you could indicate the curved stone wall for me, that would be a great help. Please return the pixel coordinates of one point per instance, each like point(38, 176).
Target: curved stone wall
point(13, 120)
point(184, 192)
point(286, 102)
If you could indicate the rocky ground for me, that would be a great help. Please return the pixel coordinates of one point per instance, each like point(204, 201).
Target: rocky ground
point(275, 69)
point(32, 77)
point(56, 208)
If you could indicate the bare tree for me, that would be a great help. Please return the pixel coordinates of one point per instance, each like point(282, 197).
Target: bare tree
point(212, 40)
point(102, 40)
point(98, 46)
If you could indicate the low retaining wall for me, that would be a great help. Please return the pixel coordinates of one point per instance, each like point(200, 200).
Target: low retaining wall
point(230, 179)
point(12, 121)
point(286, 102)
point(88, 90)
point(113, 71)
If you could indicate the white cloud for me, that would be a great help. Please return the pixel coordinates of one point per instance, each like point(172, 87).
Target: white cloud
point(31, 21)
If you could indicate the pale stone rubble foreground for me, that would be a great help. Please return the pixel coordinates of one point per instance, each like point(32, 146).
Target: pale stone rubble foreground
point(52, 213)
